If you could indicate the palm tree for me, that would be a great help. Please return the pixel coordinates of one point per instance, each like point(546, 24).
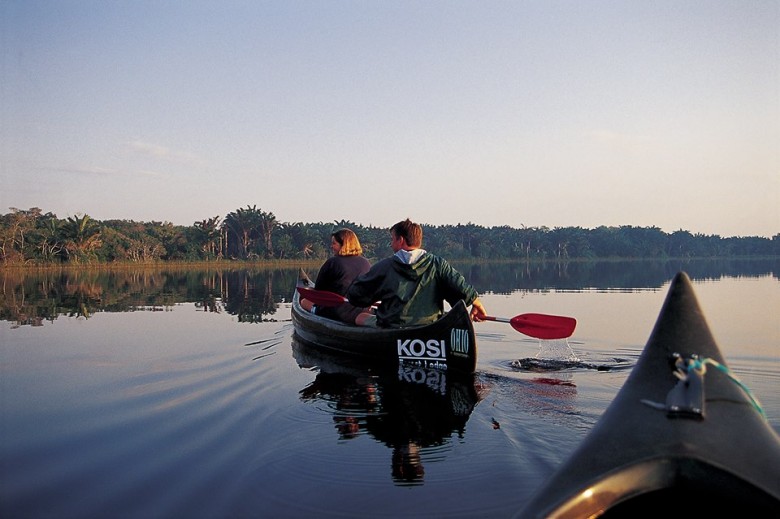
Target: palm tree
point(306, 241)
point(245, 226)
point(267, 224)
point(241, 227)
point(82, 237)
point(209, 235)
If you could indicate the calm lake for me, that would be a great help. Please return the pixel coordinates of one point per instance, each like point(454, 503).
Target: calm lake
point(181, 393)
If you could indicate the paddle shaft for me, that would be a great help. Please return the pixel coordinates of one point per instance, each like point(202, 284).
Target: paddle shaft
point(540, 326)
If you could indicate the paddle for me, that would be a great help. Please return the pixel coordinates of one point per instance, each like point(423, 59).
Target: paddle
point(322, 297)
point(540, 326)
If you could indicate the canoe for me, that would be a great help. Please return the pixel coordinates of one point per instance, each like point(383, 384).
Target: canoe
point(670, 446)
point(449, 344)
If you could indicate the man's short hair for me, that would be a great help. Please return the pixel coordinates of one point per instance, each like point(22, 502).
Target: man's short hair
point(408, 230)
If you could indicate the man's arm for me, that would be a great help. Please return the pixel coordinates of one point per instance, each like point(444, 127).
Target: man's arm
point(364, 290)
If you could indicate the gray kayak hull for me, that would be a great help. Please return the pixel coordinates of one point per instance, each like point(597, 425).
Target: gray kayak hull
point(669, 446)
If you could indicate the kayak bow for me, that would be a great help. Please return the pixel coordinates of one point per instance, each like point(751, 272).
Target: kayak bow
point(679, 439)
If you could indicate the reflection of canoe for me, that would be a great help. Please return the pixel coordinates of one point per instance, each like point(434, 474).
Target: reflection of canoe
point(407, 409)
point(667, 447)
point(458, 389)
point(447, 344)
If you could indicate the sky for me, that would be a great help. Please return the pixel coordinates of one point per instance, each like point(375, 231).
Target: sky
point(526, 113)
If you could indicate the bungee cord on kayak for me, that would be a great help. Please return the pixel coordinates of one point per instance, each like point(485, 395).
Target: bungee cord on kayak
point(699, 365)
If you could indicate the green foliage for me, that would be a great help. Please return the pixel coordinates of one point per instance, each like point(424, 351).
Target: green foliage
point(33, 237)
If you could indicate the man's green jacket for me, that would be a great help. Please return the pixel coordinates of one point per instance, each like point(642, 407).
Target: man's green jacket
point(410, 294)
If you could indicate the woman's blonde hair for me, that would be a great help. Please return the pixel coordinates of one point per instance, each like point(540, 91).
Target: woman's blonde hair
point(350, 245)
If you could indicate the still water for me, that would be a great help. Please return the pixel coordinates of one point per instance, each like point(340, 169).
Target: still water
point(157, 393)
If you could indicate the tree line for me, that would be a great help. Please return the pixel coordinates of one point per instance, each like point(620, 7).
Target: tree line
point(250, 234)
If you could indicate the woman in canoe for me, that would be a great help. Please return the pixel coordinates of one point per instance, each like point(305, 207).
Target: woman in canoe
point(337, 273)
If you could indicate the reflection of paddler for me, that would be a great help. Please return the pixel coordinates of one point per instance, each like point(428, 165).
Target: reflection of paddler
point(362, 398)
point(407, 410)
point(424, 413)
point(347, 426)
point(407, 463)
point(354, 399)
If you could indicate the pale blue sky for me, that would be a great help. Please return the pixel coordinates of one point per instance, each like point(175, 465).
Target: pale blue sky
point(522, 113)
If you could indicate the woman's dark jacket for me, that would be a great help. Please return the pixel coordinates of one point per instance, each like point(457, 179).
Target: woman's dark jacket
point(335, 275)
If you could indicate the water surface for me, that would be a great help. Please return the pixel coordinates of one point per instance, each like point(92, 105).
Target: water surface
point(183, 394)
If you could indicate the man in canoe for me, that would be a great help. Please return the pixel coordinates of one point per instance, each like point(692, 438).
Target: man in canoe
point(411, 285)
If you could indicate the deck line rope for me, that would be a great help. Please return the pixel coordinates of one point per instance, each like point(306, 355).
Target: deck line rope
point(700, 365)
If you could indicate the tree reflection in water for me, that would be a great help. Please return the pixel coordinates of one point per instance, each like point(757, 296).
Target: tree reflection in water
point(34, 297)
point(31, 297)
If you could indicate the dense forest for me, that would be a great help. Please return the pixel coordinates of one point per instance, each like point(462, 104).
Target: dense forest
point(32, 237)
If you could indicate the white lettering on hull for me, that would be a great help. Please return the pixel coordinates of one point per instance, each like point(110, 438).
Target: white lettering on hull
point(459, 340)
point(432, 353)
point(419, 349)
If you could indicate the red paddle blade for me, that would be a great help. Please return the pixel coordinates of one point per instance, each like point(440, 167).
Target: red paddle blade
point(321, 297)
point(544, 326)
